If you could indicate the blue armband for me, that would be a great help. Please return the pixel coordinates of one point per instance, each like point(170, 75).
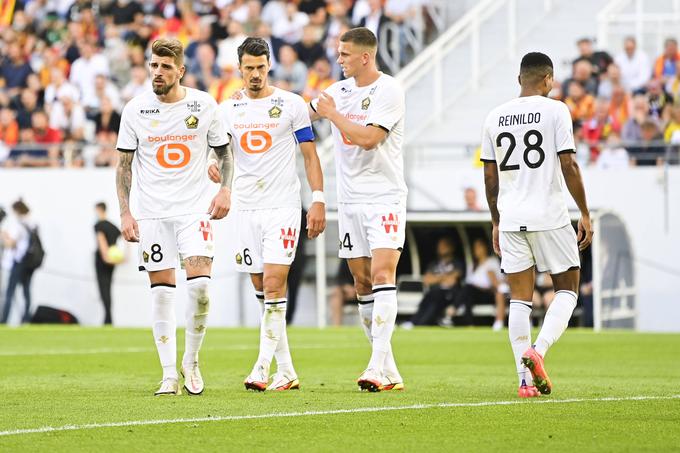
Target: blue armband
point(304, 135)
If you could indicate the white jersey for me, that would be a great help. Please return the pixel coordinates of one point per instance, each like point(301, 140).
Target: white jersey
point(377, 175)
point(171, 142)
point(265, 133)
point(524, 137)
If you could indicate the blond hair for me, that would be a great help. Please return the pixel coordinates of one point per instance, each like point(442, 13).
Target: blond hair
point(169, 47)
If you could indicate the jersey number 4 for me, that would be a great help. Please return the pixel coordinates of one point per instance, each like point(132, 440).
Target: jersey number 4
point(528, 147)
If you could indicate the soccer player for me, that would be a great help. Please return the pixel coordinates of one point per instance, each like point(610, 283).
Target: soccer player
point(266, 125)
point(163, 145)
point(528, 155)
point(366, 111)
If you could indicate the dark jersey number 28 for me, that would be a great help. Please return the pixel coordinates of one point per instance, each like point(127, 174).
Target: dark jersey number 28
point(531, 136)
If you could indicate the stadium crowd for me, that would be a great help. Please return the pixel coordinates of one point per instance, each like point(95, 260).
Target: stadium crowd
point(68, 67)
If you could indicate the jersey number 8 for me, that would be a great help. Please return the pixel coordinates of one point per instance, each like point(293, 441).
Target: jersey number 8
point(256, 142)
point(173, 155)
point(535, 146)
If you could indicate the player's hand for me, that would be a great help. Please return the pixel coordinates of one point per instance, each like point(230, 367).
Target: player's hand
point(214, 173)
point(326, 105)
point(585, 232)
point(316, 220)
point(496, 242)
point(129, 228)
point(221, 204)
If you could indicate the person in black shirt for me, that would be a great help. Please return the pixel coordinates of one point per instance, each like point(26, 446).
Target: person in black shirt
point(107, 235)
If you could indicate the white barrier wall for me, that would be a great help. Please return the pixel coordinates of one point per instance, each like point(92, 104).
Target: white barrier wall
point(62, 202)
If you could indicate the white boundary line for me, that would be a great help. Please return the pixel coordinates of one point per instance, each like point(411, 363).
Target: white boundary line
point(50, 429)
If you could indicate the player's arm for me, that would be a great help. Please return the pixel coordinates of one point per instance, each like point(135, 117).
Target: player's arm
point(222, 172)
point(313, 116)
point(129, 227)
point(491, 187)
point(366, 137)
point(316, 216)
point(572, 176)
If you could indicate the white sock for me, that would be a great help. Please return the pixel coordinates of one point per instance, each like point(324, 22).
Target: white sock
point(196, 318)
point(164, 327)
point(271, 329)
point(384, 316)
point(519, 331)
point(366, 318)
point(284, 362)
point(556, 320)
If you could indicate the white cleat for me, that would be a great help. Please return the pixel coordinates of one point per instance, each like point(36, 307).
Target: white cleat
point(392, 383)
point(284, 381)
point(169, 386)
point(370, 380)
point(193, 381)
point(257, 379)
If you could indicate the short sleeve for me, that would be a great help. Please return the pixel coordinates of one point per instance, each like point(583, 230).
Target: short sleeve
point(488, 153)
point(388, 109)
point(127, 137)
point(330, 91)
point(218, 133)
point(300, 115)
point(564, 134)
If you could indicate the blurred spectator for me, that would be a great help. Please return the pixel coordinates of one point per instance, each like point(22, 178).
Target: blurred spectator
point(613, 155)
point(16, 239)
point(664, 66)
point(107, 123)
point(673, 126)
point(86, 69)
point(673, 85)
point(123, 12)
point(289, 26)
point(318, 79)
point(599, 59)
point(634, 64)
point(205, 67)
point(28, 105)
point(9, 127)
point(52, 61)
point(116, 52)
point(42, 141)
point(104, 87)
point(442, 283)
point(228, 84)
point(272, 11)
point(343, 293)
point(471, 202)
point(308, 49)
point(68, 116)
point(139, 82)
point(59, 87)
point(619, 106)
point(105, 262)
point(227, 49)
point(290, 74)
point(609, 80)
point(583, 73)
point(264, 31)
point(659, 101)
point(580, 102)
point(375, 20)
point(640, 113)
point(598, 128)
point(14, 69)
point(649, 150)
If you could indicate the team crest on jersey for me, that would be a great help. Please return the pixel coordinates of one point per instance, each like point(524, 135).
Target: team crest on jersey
point(194, 107)
point(288, 237)
point(390, 222)
point(191, 121)
point(145, 257)
point(275, 112)
point(365, 103)
point(239, 259)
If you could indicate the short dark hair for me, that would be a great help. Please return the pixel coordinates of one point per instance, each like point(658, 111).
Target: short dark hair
point(101, 205)
point(534, 67)
point(253, 46)
point(169, 47)
point(20, 207)
point(361, 36)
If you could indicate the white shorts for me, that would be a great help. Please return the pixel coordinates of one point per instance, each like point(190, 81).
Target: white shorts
point(366, 227)
point(266, 236)
point(552, 251)
point(161, 240)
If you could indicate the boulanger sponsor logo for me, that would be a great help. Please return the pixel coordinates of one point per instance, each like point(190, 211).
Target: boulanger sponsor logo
point(191, 121)
point(172, 138)
point(356, 116)
point(275, 112)
point(255, 125)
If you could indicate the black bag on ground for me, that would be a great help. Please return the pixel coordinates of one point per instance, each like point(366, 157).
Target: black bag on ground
point(49, 315)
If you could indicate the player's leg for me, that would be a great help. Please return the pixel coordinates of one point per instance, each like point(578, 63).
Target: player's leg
point(556, 252)
point(158, 256)
point(517, 262)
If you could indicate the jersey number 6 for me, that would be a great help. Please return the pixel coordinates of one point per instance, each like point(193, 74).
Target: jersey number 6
point(536, 146)
point(256, 142)
point(173, 155)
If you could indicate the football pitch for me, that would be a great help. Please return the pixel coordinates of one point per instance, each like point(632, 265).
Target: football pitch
point(88, 389)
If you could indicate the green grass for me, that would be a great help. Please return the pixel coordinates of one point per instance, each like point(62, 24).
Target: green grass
point(57, 376)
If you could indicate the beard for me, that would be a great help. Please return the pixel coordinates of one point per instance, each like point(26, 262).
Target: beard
point(256, 86)
point(162, 90)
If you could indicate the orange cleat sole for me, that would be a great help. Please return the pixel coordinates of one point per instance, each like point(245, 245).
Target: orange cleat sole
point(534, 362)
point(369, 385)
point(256, 386)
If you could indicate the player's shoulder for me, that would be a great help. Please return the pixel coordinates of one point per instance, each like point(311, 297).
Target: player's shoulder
point(199, 96)
point(143, 101)
point(341, 86)
point(388, 81)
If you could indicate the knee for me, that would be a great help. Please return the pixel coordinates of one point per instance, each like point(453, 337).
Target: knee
point(383, 277)
point(362, 284)
point(274, 286)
